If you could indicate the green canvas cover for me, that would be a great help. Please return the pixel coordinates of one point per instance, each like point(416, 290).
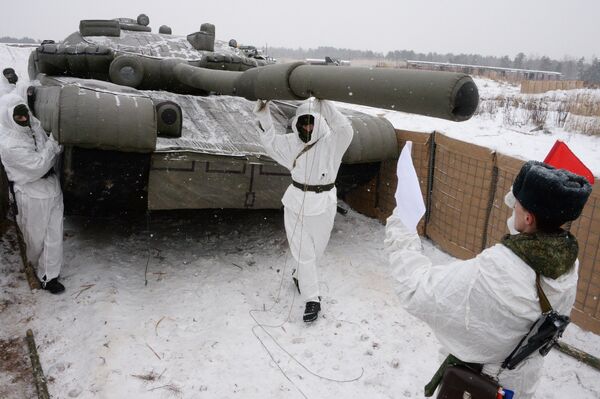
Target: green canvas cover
point(184, 180)
point(104, 120)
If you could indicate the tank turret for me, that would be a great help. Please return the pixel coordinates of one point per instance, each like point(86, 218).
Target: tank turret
point(125, 52)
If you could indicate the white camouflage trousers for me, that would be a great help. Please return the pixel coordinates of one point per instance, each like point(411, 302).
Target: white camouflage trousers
point(41, 222)
point(308, 237)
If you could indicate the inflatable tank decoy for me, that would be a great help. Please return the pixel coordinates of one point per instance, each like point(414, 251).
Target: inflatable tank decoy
point(155, 121)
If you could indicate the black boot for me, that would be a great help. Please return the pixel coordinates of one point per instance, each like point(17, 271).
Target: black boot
point(295, 280)
point(311, 312)
point(54, 286)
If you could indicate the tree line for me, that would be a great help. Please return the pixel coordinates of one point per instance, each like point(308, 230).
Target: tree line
point(570, 68)
point(8, 39)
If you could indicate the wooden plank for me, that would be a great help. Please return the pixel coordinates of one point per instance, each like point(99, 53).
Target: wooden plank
point(580, 355)
point(38, 374)
point(585, 321)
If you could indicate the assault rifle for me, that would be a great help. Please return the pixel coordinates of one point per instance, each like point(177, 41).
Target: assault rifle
point(542, 336)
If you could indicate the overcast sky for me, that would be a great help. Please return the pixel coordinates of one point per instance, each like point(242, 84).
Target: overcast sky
point(505, 27)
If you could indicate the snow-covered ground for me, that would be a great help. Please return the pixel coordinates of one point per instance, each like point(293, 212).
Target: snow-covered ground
point(218, 316)
point(194, 330)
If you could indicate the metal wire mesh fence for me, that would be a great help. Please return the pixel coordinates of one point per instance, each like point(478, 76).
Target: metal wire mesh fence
point(460, 195)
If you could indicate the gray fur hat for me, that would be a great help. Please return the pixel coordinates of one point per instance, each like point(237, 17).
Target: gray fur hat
point(555, 196)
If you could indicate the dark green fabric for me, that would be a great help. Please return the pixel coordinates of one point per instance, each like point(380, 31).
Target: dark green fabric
point(451, 360)
point(446, 95)
point(550, 254)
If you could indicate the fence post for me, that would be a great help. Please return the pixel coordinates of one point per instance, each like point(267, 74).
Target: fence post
point(430, 178)
point(492, 195)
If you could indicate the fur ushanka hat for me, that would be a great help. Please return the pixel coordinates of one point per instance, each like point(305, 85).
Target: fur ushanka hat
point(555, 196)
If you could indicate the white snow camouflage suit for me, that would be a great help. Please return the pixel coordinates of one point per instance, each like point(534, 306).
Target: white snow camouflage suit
point(309, 216)
point(27, 155)
point(20, 88)
point(479, 309)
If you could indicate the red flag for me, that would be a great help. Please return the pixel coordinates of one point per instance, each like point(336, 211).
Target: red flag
point(561, 157)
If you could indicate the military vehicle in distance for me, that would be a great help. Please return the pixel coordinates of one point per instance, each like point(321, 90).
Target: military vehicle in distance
point(155, 121)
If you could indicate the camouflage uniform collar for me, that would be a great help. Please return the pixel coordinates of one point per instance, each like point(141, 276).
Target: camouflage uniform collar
point(550, 254)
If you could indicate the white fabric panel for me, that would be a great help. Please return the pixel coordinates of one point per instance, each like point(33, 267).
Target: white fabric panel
point(410, 206)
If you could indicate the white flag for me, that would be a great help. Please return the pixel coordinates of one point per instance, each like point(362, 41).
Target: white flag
point(410, 207)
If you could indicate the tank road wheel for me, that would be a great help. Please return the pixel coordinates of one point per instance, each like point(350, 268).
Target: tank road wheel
point(126, 71)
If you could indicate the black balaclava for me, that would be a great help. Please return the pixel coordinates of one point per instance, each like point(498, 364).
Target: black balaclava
point(10, 75)
point(304, 120)
point(21, 110)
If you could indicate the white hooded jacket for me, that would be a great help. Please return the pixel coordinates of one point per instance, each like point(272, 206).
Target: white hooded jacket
point(5, 87)
point(27, 153)
point(479, 309)
point(332, 134)
point(19, 88)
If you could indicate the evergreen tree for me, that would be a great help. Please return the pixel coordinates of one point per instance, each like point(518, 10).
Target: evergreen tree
point(8, 39)
point(519, 61)
point(592, 73)
point(505, 62)
point(545, 64)
point(569, 68)
point(580, 68)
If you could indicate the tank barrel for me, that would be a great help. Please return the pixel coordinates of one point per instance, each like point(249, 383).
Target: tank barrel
point(445, 95)
point(222, 82)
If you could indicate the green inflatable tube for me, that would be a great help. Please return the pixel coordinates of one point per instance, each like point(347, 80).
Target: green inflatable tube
point(445, 95)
